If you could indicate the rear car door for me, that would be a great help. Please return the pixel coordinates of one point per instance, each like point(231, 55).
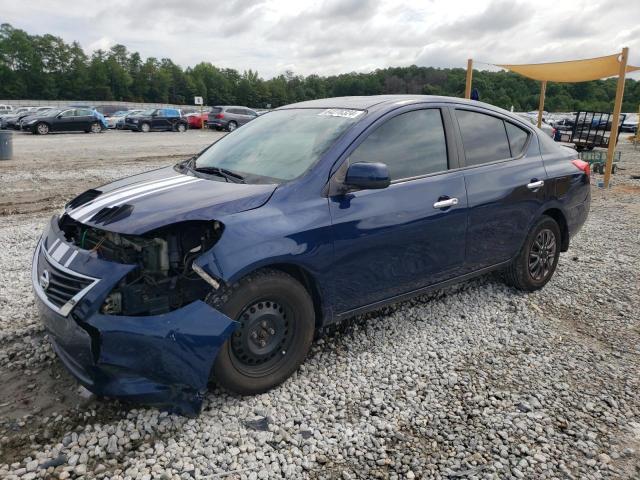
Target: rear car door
point(505, 181)
point(160, 120)
point(399, 239)
point(83, 119)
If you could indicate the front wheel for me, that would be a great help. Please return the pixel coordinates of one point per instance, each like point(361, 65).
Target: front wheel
point(276, 324)
point(96, 127)
point(181, 127)
point(538, 258)
point(145, 127)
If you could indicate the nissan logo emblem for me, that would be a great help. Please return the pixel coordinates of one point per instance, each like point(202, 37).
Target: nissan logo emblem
point(44, 280)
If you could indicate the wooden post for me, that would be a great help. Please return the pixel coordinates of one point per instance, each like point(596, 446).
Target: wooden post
point(543, 89)
point(617, 106)
point(467, 87)
point(635, 144)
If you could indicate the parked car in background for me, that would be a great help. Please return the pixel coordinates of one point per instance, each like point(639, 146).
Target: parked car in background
point(156, 119)
point(107, 110)
point(630, 123)
point(4, 118)
point(112, 120)
point(223, 266)
point(121, 120)
point(5, 109)
point(63, 120)
point(197, 120)
point(229, 117)
point(14, 122)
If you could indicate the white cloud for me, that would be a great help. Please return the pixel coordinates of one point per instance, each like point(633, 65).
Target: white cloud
point(336, 36)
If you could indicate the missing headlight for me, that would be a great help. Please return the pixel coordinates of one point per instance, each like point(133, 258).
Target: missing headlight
point(164, 278)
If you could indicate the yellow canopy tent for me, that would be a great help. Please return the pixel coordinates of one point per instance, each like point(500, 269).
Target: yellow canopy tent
point(575, 71)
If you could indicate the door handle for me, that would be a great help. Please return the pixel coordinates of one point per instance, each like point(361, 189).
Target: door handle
point(449, 202)
point(535, 185)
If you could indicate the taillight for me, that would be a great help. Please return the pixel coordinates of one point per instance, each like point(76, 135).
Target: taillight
point(220, 115)
point(582, 165)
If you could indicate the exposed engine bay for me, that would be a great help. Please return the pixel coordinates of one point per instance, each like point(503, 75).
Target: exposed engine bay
point(164, 279)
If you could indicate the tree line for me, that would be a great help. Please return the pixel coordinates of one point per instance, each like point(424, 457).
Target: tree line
point(46, 67)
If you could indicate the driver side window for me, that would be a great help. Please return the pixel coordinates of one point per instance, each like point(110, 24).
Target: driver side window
point(411, 144)
point(68, 113)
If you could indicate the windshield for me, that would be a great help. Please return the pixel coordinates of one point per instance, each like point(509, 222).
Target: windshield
point(280, 145)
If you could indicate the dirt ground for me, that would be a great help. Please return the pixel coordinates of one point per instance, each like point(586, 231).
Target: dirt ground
point(47, 170)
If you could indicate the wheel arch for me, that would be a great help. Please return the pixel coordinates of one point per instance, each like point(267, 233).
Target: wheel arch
point(308, 281)
point(301, 274)
point(561, 220)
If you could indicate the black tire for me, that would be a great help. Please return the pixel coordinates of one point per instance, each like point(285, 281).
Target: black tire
point(41, 129)
point(271, 307)
point(614, 168)
point(144, 127)
point(231, 126)
point(524, 273)
point(181, 127)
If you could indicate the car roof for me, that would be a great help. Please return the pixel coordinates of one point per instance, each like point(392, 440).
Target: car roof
point(367, 102)
point(231, 106)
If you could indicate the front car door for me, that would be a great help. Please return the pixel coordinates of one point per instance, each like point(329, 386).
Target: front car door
point(63, 122)
point(504, 177)
point(397, 240)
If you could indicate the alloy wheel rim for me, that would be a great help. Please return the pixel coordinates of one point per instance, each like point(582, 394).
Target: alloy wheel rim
point(542, 254)
point(95, 128)
point(263, 337)
point(43, 129)
point(232, 127)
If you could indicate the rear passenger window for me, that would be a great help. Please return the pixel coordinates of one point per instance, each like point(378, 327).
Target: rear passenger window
point(517, 138)
point(411, 144)
point(483, 136)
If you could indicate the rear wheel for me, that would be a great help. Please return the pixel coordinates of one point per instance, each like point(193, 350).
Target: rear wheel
point(276, 326)
point(538, 258)
point(42, 129)
point(145, 127)
point(181, 127)
point(96, 127)
point(231, 126)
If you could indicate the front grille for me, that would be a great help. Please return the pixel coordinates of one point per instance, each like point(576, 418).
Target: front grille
point(63, 286)
point(58, 286)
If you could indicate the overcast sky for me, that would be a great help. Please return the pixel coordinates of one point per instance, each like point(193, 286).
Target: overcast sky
point(337, 36)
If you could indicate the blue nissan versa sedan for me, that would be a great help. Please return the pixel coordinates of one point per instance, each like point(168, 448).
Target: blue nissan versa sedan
point(222, 266)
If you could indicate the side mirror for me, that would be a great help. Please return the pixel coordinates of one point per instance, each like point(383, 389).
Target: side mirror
point(367, 176)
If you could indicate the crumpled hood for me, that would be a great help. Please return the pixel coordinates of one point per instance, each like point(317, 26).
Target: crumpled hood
point(138, 204)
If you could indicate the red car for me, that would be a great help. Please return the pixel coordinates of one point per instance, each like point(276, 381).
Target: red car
point(196, 120)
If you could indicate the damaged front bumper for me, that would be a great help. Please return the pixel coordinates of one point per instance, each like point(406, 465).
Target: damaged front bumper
point(160, 360)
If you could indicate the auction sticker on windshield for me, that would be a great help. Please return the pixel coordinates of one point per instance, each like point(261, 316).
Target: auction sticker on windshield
point(341, 112)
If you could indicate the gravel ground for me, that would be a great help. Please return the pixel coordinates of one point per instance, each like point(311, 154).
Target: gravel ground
point(476, 381)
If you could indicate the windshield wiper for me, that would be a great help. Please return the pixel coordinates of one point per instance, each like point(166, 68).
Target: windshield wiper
point(228, 175)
